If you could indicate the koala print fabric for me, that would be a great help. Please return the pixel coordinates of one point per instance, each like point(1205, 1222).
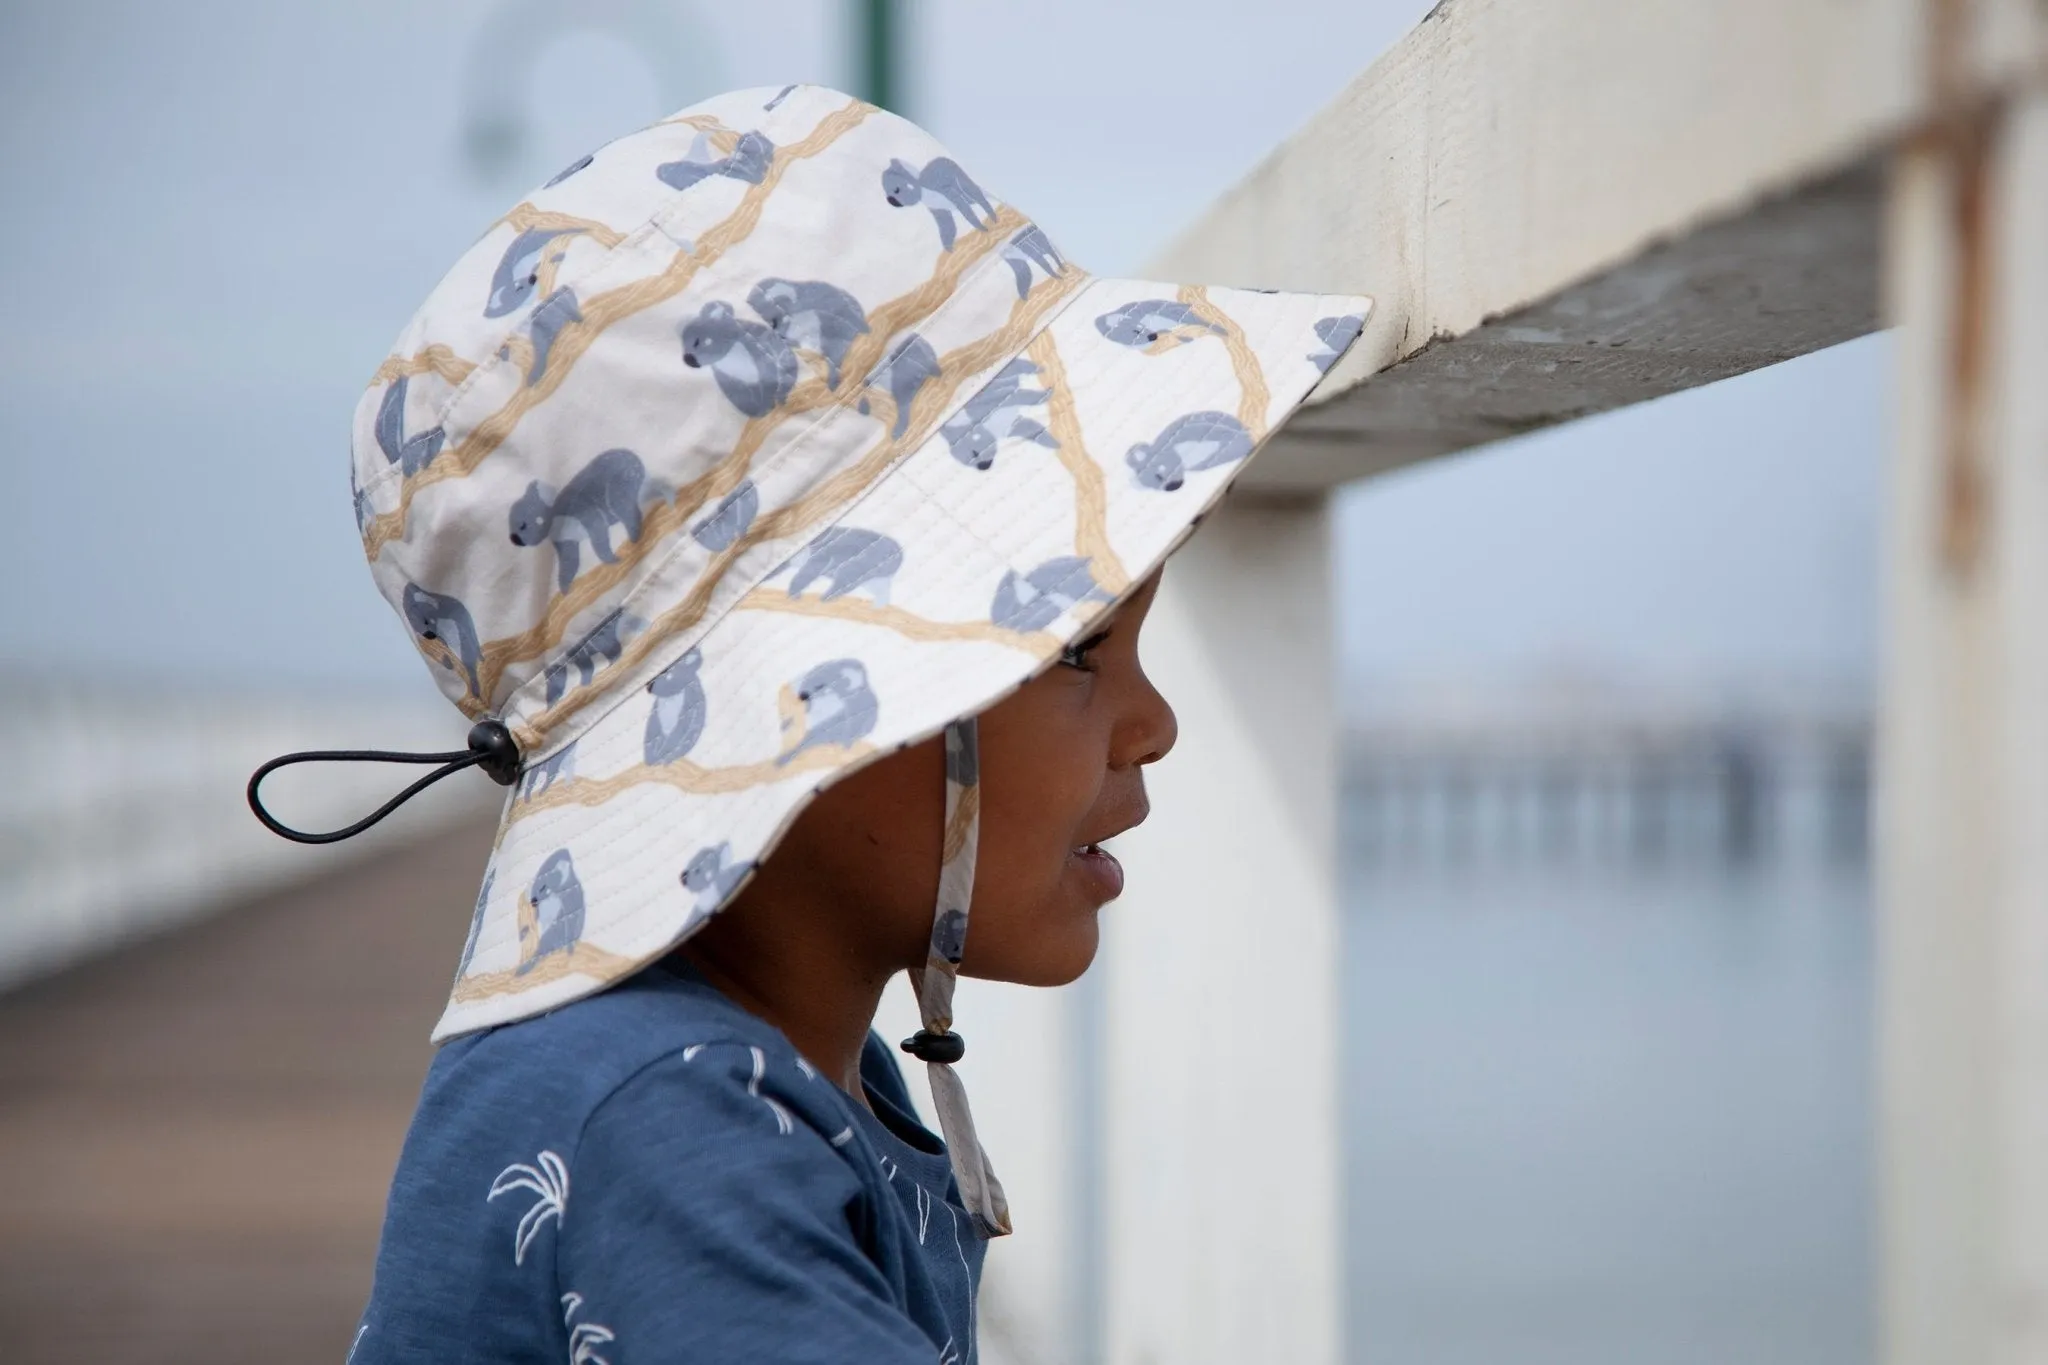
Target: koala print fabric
point(759, 443)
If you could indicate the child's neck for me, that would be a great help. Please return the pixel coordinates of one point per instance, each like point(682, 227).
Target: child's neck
point(817, 993)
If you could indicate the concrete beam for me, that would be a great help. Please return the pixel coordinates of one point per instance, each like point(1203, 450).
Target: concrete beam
point(1568, 207)
point(1792, 274)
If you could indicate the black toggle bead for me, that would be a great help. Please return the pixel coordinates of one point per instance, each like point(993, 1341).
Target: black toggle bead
point(926, 1046)
point(497, 752)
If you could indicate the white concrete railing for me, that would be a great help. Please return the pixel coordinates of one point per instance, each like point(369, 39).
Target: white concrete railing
point(123, 812)
point(1562, 208)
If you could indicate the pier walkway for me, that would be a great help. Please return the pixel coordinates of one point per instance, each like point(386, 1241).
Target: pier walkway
point(201, 1126)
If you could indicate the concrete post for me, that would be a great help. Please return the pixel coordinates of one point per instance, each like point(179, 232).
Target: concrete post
point(1221, 1174)
point(1963, 758)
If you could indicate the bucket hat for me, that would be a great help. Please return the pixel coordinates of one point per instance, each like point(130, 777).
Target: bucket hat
point(751, 447)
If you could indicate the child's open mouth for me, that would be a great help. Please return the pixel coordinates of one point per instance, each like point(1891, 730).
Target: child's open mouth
point(1103, 872)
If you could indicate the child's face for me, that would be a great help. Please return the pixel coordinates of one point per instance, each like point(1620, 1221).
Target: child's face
point(1062, 769)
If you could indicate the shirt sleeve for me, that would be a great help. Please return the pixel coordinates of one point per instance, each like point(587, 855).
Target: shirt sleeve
point(710, 1219)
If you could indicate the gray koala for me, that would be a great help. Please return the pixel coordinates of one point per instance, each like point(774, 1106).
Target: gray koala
point(749, 162)
point(436, 616)
point(713, 876)
point(556, 311)
point(476, 923)
point(750, 158)
point(602, 645)
point(609, 491)
point(909, 367)
point(676, 721)
point(1147, 320)
point(963, 755)
point(997, 413)
point(949, 936)
point(580, 163)
point(1336, 334)
point(1037, 599)
point(410, 454)
point(1200, 440)
point(949, 189)
point(1028, 248)
point(556, 896)
point(848, 559)
point(536, 778)
point(730, 519)
point(839, 707)
point(754, 366)
point(518, 272)
point(812, 314)
point(365, 513)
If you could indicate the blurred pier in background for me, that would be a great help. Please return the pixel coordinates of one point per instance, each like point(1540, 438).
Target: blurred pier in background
point(1647, 783)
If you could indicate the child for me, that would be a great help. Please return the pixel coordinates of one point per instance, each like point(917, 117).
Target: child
point(757, 486)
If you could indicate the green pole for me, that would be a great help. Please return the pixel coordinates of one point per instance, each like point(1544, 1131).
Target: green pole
point(880, 33)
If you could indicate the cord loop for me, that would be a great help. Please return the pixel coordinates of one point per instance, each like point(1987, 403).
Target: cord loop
point(490, 748)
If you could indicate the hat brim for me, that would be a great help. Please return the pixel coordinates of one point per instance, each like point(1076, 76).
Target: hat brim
point(954, 579)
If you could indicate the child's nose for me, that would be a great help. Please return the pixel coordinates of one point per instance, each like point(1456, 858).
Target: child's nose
point(1152, 730)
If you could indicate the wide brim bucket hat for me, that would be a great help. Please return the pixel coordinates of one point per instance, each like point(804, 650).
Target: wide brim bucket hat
point(756, 445)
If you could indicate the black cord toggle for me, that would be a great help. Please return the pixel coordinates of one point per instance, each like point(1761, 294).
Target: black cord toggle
point(491, 748)
point(926, 1046)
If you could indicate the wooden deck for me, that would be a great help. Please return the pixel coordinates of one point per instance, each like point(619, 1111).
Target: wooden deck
point(204, 1125)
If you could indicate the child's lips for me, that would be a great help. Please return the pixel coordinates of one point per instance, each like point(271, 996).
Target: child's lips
point(1101, 869)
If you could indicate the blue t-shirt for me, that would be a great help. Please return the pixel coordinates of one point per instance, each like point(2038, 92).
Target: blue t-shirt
point(654, 1175)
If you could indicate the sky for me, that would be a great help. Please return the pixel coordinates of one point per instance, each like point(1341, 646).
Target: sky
point(223, 212)
point(1720, 541)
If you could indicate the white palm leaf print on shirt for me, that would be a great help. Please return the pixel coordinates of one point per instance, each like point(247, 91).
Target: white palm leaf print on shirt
point(782, 1120)
point(784, 1123)
point(584, 1339)
point(548, 1180)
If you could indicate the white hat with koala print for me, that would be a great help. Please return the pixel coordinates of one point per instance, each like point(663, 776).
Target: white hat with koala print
point(756, 445)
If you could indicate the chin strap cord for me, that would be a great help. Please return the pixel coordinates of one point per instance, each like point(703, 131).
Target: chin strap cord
point(936, 1045)
point(491, 748)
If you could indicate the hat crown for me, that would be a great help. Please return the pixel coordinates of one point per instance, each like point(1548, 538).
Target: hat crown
point(648, 383)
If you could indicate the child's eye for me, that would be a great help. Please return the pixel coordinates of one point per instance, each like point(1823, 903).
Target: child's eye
point(1076, 655)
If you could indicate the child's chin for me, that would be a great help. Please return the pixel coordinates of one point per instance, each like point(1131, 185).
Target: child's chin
point(1054, 958)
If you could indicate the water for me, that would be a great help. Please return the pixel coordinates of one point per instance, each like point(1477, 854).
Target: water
point(1609, 1114)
